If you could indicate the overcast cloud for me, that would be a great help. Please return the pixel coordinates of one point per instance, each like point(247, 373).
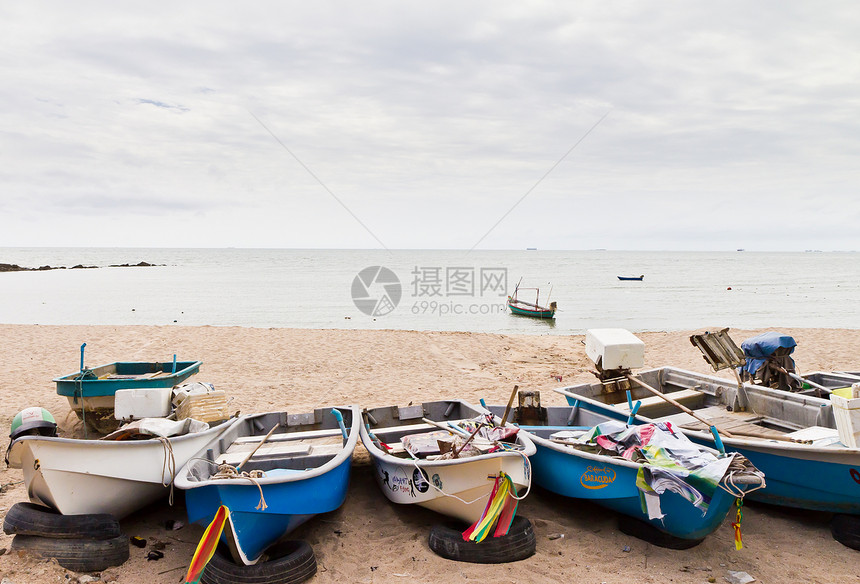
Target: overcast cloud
point(730, 125)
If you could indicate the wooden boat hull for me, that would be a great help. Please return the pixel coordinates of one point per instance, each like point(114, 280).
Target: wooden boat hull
point(631, 278)
point(77, 477)
point(294, 489)
point(458, 488)
point(522, 311)
point(807, 476)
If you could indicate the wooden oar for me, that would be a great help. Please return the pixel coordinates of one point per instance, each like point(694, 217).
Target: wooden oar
point(263, 441)
point(676, 404)
point(457, 452)
point(441, 426)
point(510, 403)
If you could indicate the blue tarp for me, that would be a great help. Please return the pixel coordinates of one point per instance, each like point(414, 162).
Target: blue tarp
point(758, 348)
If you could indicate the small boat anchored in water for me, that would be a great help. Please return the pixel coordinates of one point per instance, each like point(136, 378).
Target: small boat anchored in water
point(534, 310)
point(638, 278)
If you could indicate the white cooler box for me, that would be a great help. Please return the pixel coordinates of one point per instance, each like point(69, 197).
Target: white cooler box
point(142, 403)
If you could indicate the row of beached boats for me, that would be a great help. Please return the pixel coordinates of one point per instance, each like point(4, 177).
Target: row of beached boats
point(671, 451)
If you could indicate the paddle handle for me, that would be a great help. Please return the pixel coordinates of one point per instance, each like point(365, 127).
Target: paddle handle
point(675, 403)
point(441, 426)
point(263, 441)
point(510, 403)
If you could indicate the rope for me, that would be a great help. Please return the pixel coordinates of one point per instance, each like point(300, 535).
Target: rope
point(168, 466)
point(740, 466)
point(226, 471)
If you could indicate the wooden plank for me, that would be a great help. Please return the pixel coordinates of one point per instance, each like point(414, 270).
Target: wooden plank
point(740, 423)
point(278, 451)
point(291, 436)
point(679, 396)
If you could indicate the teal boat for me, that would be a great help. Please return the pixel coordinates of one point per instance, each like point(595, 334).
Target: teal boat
point(534, 310)
point(90, 391)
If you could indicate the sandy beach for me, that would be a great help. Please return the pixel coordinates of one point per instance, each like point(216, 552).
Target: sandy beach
point(368, 539)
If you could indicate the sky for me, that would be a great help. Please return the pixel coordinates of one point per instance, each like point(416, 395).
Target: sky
point(672, 125)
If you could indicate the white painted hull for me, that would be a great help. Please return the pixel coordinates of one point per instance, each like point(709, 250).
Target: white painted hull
point(77, 477)
point(458, 488)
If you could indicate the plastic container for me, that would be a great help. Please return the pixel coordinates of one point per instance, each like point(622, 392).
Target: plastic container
point(614, 349)
point(151, 402)
point(846, 410)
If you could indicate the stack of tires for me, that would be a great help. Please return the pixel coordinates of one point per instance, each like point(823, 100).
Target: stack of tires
point(81, 543)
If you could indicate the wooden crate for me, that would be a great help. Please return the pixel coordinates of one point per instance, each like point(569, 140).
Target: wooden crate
point(206, 407)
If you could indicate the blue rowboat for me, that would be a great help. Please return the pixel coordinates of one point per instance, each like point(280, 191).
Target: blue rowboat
point(632, 278)
point(791, 437)
point(304, 467)
point(581, 471)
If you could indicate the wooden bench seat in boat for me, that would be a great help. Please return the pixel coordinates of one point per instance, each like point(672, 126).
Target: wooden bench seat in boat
point(290, 436)
point(684, 396)
point(238, 452)
point(742, 424)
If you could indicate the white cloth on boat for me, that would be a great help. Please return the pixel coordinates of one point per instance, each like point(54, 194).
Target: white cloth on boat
point(158, 427)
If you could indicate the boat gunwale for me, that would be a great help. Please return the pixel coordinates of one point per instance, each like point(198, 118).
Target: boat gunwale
point(745, 441)
point(186, 365)
point(378, 453)
point(344, 454)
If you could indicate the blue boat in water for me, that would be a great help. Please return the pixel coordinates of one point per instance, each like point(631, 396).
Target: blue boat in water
point(791, 437)
point(273, 472)
point(584, 454)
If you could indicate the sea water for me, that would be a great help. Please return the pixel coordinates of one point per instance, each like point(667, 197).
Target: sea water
point(432, 289)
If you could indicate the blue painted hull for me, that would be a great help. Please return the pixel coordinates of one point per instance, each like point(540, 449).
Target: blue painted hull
point(305, 463)
point(289, 505)
point(613, 485)
point(796, 475)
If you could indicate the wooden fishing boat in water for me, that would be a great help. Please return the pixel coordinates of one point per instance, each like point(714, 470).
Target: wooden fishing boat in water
point(405, 445)
point(534, 310)
point(273, 472)
point(688, 489)
point(632, 278)
point(791, 437)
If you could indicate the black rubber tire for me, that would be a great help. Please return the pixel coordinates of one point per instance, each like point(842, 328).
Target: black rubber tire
point(287, 562)
point(647, 532)
point(78, 555)
point(846, 530)
point(519, 544)
point(32, 519)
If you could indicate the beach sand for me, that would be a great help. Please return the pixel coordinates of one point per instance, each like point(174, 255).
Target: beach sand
point(369, 539)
